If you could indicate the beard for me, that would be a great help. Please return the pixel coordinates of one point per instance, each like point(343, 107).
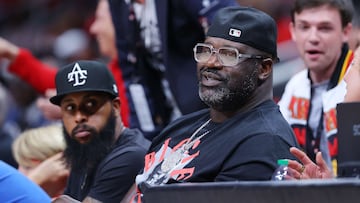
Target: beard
point(232, 94)
point(86, 157)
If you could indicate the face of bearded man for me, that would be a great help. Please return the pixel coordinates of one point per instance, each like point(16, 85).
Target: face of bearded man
point(234, 87)
point(86, 157)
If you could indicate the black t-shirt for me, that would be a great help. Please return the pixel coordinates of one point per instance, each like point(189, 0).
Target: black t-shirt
point(244, 147)
point(115, 174)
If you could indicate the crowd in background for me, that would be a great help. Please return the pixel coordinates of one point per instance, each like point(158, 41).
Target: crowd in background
point(57, 32)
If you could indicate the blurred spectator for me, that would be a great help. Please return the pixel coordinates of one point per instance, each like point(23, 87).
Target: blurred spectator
point(36, 24)
point(354, 39)
point(71, 45)
point(23, 108)
point(155, 55)
point(7, 133)
point(320, 30)
point(352, 80)
point(352, 77)
point(36, 145)
point(41, 76)
point(15, 187)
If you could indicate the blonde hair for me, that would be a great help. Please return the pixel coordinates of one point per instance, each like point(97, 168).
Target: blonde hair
point(38, 144)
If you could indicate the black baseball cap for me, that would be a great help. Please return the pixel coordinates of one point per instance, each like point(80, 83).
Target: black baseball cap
point(246, 25)
point(84, 75)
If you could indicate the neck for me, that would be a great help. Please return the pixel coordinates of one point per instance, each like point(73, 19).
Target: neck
point(119, 128)
point(319, 77)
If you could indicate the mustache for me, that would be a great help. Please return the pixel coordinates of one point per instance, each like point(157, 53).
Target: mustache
point(82, 127)
point(213, 71)
point(210, 70)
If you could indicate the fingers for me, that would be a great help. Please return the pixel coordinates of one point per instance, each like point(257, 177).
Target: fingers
point(56, 156)
point(301, 156)
point(302, 169)
point(297, 170)
point(326, 171)
point(320, 161)
point(50, 93)
point(294, 165)
point(293, 174)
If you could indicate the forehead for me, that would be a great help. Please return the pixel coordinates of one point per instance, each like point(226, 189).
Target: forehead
point(83, 95)
point(320, 14)
point(220, 42)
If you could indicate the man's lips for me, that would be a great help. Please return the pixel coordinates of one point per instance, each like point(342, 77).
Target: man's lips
point(82, 133)
point(313, 54)
point(210, 79)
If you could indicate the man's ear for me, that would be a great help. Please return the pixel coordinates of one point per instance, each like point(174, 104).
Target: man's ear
point(116, 104)
point(266, 68)
point(292, 31)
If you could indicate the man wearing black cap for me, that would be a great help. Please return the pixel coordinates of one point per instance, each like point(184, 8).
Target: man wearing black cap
point(243, 134)
point(103, 155)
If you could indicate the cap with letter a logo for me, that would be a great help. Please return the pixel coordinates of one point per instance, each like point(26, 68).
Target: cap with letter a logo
point(83, 75)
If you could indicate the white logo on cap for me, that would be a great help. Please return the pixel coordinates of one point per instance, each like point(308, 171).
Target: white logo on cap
point(78, 75)
point(234, 32)
point(115, 88)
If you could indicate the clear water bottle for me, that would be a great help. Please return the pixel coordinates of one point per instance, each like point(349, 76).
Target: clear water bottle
point(282, 171)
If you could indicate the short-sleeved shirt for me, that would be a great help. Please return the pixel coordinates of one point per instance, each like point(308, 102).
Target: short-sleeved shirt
point(116, 172)
point(244, 147)
point(15, 187)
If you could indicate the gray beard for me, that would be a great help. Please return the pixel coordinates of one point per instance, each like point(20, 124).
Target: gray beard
point(226, 99)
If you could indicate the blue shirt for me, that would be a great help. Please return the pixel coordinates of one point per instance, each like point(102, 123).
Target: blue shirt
point(15, 187)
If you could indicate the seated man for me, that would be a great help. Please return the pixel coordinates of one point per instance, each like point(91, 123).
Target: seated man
point(307, 168)
point(243, 134)
point(103, 155)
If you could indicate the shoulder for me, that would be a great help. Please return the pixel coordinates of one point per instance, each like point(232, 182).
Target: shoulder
point(132, 145)
point(128, 152)
point(268, 121)
point(13, 185)
point(298, 84)
point(132, 138)
point(299, 78)
point(180, 125)
point(188, 118)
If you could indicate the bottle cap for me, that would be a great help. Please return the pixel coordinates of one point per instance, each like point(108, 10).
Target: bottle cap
point(283, 162)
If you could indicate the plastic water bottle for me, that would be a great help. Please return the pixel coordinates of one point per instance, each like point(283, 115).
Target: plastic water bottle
point(282, 171)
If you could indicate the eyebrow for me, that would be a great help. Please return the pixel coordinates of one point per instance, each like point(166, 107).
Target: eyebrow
point(307, 22)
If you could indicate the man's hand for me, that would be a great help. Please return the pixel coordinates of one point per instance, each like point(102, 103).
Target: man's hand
point(308, 169)
point(8, 50)
point(51, 175)
point(49, 110)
